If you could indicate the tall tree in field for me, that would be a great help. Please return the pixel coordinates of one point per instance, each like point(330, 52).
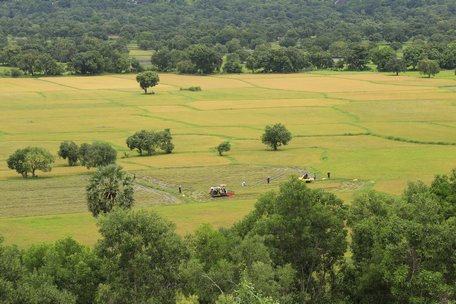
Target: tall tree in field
point(69, 150)
point(29, 160)
point(275, 136)
point(428, 67)
point(147, 80)
point(109, 187)
point(141, 254)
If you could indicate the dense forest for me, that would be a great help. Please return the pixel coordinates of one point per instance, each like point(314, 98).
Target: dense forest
point(90, 37)
point(294, 247)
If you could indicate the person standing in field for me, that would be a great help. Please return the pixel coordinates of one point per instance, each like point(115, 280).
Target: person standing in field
point(329, 175)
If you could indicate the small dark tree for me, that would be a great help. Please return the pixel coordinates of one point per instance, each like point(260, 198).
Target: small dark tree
point(165, 141)
point(275, 136)
point(109, 187)
point(223, 147)
point(69, 150)
point(147, 79)
point(396, 65)
point(428, 67)
point(97, 154)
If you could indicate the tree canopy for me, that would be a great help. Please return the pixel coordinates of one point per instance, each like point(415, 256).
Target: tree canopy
point(30, 159)
point(276, 135)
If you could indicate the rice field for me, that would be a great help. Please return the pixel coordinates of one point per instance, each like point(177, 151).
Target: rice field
point(371, 130)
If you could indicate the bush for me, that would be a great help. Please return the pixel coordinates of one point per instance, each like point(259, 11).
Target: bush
point(186, 67)
point(192, 89)
point(16, 73)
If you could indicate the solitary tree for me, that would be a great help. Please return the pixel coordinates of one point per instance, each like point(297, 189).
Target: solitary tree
point(396, 65)
point(275, 136)
point(69, 150)
point(109, 187)
point(428, 67)
point(223, 147)
point(147, 79)
point(30, 159)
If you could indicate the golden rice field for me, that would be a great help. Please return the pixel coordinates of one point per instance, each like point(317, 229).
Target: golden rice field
point(372, 131)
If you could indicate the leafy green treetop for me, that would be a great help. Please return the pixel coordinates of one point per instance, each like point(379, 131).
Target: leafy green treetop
point(69, 150)
point(96, 154)
point(30, 159)
point(223, 147)
point(142, 254)
point(396, 65)
point(276, 135)
point(147, 79)
point(428, 67)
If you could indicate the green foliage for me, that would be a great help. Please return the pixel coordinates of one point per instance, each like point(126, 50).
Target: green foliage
point(402, 247)
point(428, 67)
point(412, 55)
point(30, 159)
point(16, 73)
point(275, 136)
point(303, 228)
point(141, 254)
point(181, 299)
point(142, 141)
point(358, 58)
point(90, 62)
point(192, 89)
point(147, 79)
point(223, 147)
point(232, 64)
point(96, 154)
point(382, 56)
point(69, 150)
point(150, 140)
point(205, 59)
point(186, 67)
point(109, 187)
point(396, 65)
point(69, 265)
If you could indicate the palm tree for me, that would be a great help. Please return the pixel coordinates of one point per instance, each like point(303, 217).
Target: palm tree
point(109, 187)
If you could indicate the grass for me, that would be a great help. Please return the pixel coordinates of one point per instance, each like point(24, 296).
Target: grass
point(371, 130)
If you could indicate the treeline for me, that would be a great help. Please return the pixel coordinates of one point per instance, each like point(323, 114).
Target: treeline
point(85, 55)
point(178, 24)
point(292, 248)
point(77, 36)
